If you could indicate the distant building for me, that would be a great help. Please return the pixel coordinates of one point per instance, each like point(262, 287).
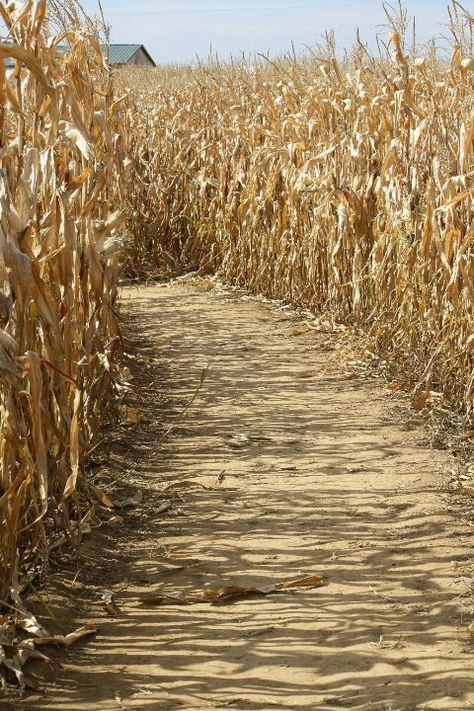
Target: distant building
point(9, 62)
point(118, 55)
point(135, 54)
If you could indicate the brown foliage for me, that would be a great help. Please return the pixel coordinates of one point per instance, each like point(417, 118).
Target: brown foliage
point(343, 187)
point(61, 174)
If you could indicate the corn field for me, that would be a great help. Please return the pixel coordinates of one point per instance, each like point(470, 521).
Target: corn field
point(342, 186)
point(345, 187)
point(62, 172)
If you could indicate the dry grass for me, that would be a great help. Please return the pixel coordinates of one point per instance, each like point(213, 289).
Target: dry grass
point(62, 172)
point(346, 187)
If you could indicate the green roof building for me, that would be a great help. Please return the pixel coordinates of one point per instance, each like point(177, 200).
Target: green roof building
point(118, 55)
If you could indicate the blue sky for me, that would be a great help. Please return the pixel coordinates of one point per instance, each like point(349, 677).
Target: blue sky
point(178, 31)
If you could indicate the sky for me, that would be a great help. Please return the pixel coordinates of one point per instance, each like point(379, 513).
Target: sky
point(177, 32)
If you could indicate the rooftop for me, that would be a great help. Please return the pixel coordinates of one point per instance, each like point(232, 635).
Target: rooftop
point(117, 53)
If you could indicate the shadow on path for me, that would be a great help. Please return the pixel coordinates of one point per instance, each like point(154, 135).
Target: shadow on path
point(289, 468)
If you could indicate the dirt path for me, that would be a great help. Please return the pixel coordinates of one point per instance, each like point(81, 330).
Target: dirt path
point(305, 472)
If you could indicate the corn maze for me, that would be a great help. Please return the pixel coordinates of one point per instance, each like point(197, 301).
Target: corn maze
point(345, 187)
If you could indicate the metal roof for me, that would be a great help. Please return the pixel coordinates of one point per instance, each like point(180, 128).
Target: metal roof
point(122, 53)
point(117, 53)
point(8, 61)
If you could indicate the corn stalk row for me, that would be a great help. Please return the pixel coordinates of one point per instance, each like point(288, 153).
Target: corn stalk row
point(62, 170)
point(345, 187)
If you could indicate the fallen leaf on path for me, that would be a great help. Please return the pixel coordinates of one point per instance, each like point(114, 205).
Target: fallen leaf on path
point(238, 441)
point(14, 654)
point(27, 651)
point(108, 598)
point(419, 401)
point(69, 639)
point(30, 624)
point(78, 529)
point(399, 660)
point(299, 330)
point(102, 497)
point(309, 581)
point(130, 501)
point(129, 415)
point(164, 507)
point(231, 593)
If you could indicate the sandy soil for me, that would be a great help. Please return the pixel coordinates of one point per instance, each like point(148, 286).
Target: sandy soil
point(290, 466)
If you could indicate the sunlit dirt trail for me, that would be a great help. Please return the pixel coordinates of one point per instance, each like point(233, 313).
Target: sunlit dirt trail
point(290, 466)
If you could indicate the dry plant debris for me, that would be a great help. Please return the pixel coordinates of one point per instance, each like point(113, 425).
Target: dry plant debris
point(225, 594)
point(20, 636)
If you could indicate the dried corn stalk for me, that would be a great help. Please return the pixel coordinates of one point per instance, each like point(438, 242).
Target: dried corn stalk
point(61, 174)
point(344, 187)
